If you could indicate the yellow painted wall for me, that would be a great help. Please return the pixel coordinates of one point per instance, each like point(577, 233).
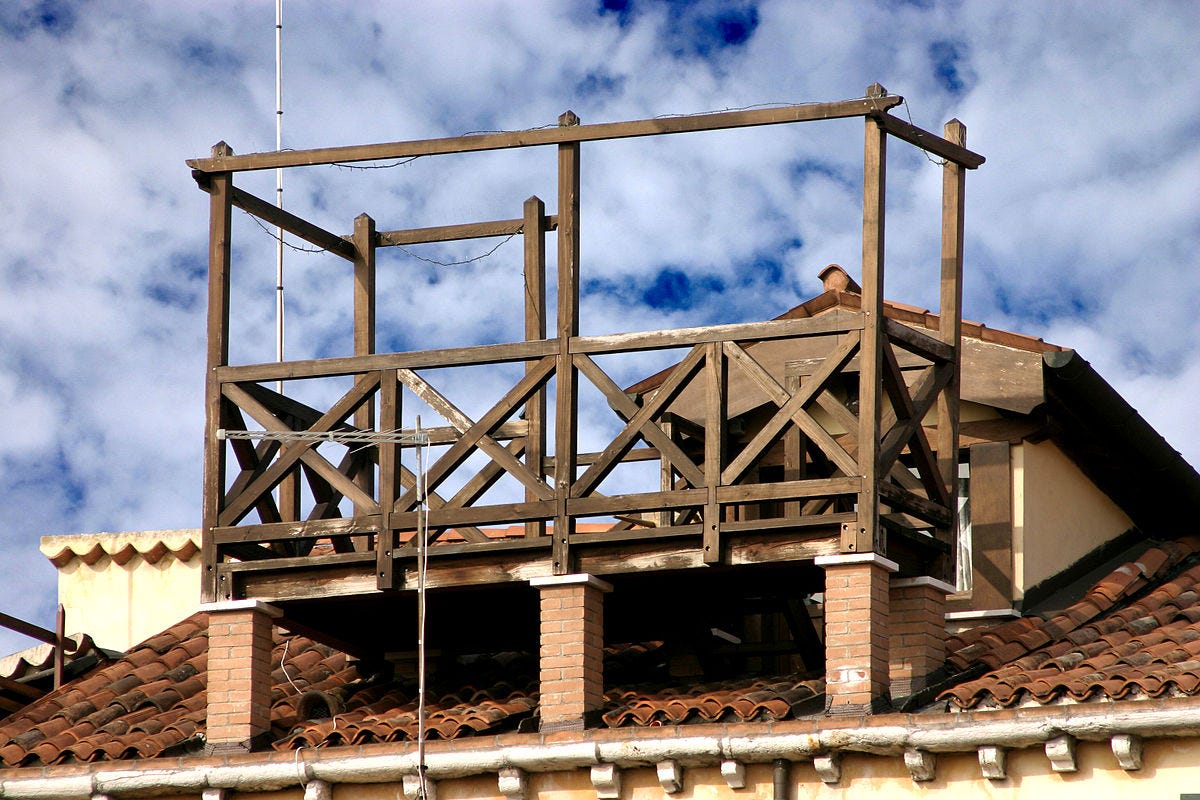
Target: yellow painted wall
point(120, 605)
point(1059, 515)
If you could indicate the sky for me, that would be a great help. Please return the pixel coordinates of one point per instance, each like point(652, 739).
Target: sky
point(1083, 226)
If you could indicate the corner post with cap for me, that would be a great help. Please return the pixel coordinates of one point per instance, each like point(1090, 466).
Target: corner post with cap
point(566, 376)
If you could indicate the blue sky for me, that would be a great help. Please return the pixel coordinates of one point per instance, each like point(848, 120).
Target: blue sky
point(1083, 226)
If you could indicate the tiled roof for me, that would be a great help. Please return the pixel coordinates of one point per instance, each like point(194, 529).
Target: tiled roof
point(152, 546)
point(1136, 633)
point(729, 701)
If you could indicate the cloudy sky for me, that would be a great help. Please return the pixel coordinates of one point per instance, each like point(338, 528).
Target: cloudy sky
point(1082, 227)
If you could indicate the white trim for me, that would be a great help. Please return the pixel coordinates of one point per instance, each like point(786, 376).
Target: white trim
point(242, 605)
point(584, 578)
point(996, 613)
point(857, 558)
point(923, 580)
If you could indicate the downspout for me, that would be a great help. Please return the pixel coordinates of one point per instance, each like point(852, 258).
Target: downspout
point(781, 773)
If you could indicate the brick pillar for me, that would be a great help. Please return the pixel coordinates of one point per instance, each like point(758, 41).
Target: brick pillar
point(918, 632)
point(856, 632)
point(571, 664)
point(239, 673)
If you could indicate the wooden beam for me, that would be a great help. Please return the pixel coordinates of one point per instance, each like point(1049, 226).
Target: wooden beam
point(741, 332)
point(866, 534)
point(716, 374)
point(562, 135)
point(535, 224)
point(566, 418)
point(220, 222)
point(390, 477)
point(469, 230)
point(922, 344)
point(27, 628)
point(364, 335)
point(949, 148)
point(278, 218)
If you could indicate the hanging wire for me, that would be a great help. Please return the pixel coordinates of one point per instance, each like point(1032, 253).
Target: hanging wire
point(938, 161)
point(398, 436)
point(472, 260)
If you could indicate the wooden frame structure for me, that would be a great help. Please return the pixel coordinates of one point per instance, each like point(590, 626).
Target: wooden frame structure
point(709, 509)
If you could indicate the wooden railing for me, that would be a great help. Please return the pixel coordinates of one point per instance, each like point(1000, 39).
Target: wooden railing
point(842, 446)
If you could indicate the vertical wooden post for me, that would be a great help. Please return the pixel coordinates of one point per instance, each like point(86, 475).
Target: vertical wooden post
point(950, 332)
point(60, 645)
point(567, 402)
point(667, 474)
point(795, 466)
point(364, 328)
point(714, 448)
point(389, 479)
point(220, 212)
point(865, 535)
point(535, 328)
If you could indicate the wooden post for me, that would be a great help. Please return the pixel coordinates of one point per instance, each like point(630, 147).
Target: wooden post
point(950, 332)
point(220, 208)
point(389, 479)
point(795, 466)
point(714, 448)
point(865, 535)
point(364, 332)
point(567, 402)
point(535, 329)
point(60, 645)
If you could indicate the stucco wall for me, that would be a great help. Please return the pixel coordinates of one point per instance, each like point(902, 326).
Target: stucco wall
point(1059, 515)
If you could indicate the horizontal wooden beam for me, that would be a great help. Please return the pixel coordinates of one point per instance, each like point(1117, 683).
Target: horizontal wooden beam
point(286, 531)
point(915, 341)
point(455, 233)
point(548, 136)
point(28, 628)
point(356, 365)
point(278, 218)
point(740, 332)
point(929, 142)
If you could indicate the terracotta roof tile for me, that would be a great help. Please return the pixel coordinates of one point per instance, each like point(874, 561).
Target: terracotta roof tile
point(1135, 633)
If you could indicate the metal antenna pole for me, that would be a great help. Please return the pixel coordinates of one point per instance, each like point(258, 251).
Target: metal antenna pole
point(279, 184)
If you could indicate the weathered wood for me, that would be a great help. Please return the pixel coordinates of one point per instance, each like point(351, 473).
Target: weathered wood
point(535, 224)
point(236, 508)
point(950, 332)
point(716, 375)
point(640, 424)
point(925, 395)
point(628, 410)
point(566, 419)
point(795, 464)
point(635, 502)
point(914, 341)
point(16, 687)
point(991, 526)
point(473, 489)
point(470, 230)
point(494, 450)
point(220, 223)
point(27, 628)
point(547, 136)
point(448, 517)
point(305, 529)
point(460, 450)
point(949, 148)
point(391, 479)
point(278, 218)
point(739, 332)
point(356, 365)
point(865, 534)
point(788, 490)
point(908, 502)
point(364, 330)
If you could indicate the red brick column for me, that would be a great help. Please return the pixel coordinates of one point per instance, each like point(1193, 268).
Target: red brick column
point(856, 632)
point(571, 664)
point(918, 632)
point(239, 673)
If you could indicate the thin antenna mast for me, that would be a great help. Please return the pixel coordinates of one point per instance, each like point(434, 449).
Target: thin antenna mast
point(279, 184)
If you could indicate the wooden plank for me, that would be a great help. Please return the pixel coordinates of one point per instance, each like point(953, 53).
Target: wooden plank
point(473, 548)
point(791, 409)
point(470, 230)
point(795, 464)
point(566, 417)
point(927, 387)
point(364, 331)
point(630, 503)
point(627, 410)
point(305, 529)
point(910, 503)
point(991, 526)
point(950, 332)
point(296, 451)
point(220, 223)
point(535, 224)
point(788, 490)
point(356, 365)
point(641, 423)
point(16, 687)
point(949, 148)
point(27, 628)
point(460, 450)
point(278, 218)
point(253, 460)
point(561, 135)
point(494, 450)
point(738, 332)
point(391, 479)
point(917, 342)
point(716, 380)
point(502, 513)
point(865, 534)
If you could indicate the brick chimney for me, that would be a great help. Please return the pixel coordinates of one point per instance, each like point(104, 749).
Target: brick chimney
point(917, 624)
point(857, 677)
point(240, 641)
point(571, 656)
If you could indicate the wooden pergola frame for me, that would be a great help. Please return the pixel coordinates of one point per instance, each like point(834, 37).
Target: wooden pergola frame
point(838, 511)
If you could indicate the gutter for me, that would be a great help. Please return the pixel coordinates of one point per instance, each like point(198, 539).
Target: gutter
point(1119, 723)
